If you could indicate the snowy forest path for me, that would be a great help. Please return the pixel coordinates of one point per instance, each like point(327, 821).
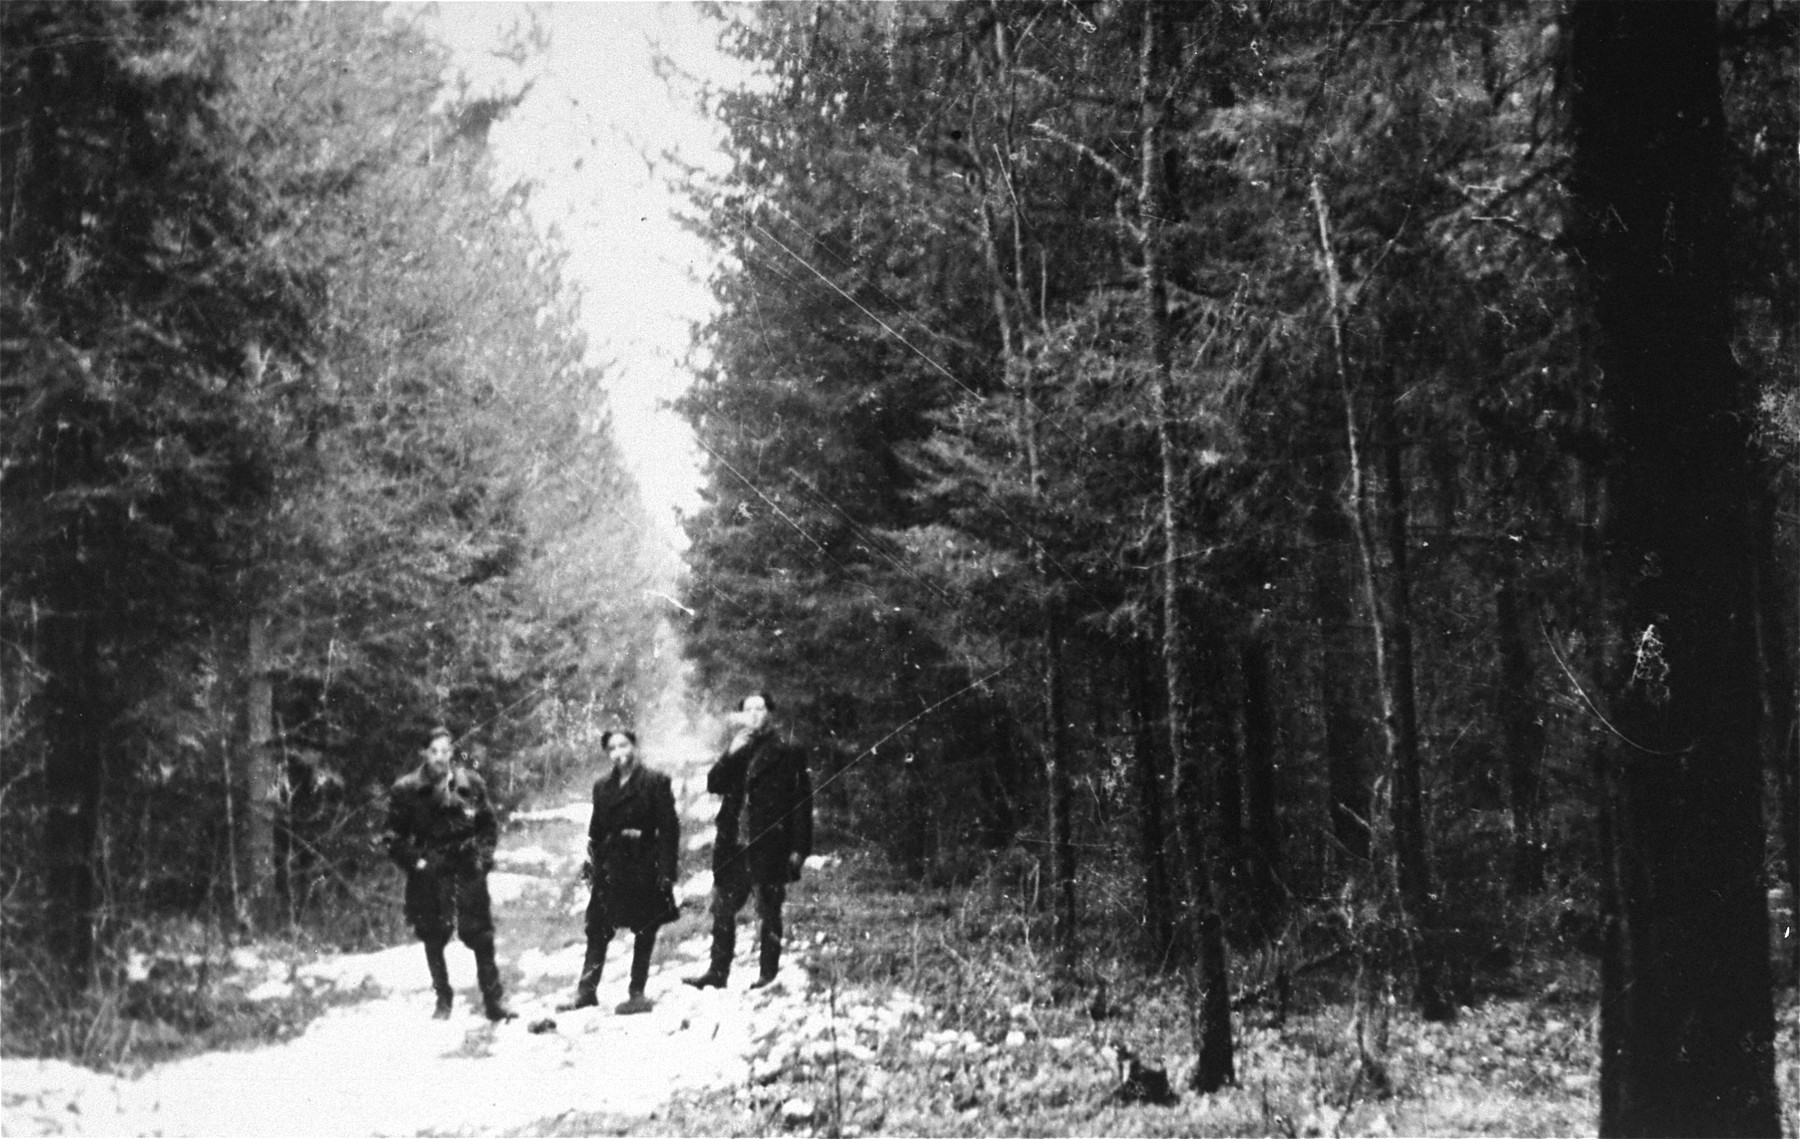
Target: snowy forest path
point(382, 1065)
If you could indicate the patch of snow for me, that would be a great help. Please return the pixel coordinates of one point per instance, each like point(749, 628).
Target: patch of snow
point(698, 885)
point(505, 888)
point(273, 990)
point(797, 1111)
point(400, 969)
point(569, 813)
point(766, 1070)
point(535, 964)
point(533, 858)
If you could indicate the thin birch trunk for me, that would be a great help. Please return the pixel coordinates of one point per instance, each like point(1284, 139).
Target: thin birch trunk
point(1391, 617)
point(1212, 1010)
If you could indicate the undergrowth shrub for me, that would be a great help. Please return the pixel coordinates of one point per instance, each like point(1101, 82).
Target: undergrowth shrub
point(163, 989)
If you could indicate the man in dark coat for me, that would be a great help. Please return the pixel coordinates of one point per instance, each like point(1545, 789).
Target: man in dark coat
point(764, 833)
point(633, 840)
point(442, 833)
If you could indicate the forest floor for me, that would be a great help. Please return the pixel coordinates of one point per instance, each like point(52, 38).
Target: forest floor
point(901, 1011)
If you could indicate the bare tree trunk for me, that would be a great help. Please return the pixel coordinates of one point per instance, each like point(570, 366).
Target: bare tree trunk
point(1418, 892)
point(254, 784)
point(1062, 791)
point(1060, 786)
point(1224, 749)
point(1152, 828)
point(1266, 873)
point(1215, 1067)
point(1780, 694)
point(1687, 1022)
point(1521, 725)
point(1344, 657)
point(75, 727)
point(1390, 611)
point(1012, 318)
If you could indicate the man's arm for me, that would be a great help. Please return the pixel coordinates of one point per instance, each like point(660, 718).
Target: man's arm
point(486, 837)
point(402, 844)
point(668, 831)
point(595, 838)
point(726, 776)
point(802, 812)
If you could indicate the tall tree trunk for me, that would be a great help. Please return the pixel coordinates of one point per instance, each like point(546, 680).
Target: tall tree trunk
point(1259, 782)
point(1412, 861)
point(1062, 789)
point(1688, 1021)
point(1152, 813)
point(1215, 1067)
point(1010, 317)
point(1344, 658)
point(76, 726)
point(1390, 612)
point(1224, 748)
point(254, 783)
point(1521, 726)
point(1775, 655)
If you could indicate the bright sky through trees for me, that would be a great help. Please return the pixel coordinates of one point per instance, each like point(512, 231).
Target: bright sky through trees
point(596, 110)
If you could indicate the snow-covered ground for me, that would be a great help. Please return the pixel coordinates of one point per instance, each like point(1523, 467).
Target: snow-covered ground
point(382, 1066)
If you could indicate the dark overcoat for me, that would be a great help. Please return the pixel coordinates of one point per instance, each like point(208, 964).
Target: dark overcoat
point(443, 833)
point(765, 809)
point(634, 874)
point(448, 824)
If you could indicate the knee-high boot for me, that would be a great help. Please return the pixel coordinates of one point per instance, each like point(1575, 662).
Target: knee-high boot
point(724, 942)
point(440, 979)
point(768, 940)
point(487, 975)
point(589, 982)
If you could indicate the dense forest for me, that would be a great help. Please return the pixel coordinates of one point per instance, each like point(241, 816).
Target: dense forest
point(1296, 483)
point(1300, 500)
point(303, 454)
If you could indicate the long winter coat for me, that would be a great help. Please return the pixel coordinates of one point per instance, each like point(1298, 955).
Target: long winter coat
point(765, 809)
point(635, 874)
point(442, 833)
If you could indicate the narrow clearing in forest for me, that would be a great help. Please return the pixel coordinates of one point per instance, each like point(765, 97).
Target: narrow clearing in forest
point(381, 1065)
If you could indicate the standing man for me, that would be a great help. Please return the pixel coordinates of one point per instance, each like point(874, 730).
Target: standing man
point(633, 840)
point(764, 833)
point(442, 832)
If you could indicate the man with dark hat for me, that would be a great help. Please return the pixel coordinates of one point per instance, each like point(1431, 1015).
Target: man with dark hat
point(442, 833)
point(764, 833)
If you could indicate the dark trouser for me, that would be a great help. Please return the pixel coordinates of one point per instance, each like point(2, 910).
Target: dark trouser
point(440, 902)
point(732, 887)
point(600, 930)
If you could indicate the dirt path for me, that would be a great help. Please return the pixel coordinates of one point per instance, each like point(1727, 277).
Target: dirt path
point(383, 1066)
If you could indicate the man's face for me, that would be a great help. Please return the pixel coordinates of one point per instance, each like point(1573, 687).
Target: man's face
point(620, 748)
point(755, 713)
point(437, 756)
